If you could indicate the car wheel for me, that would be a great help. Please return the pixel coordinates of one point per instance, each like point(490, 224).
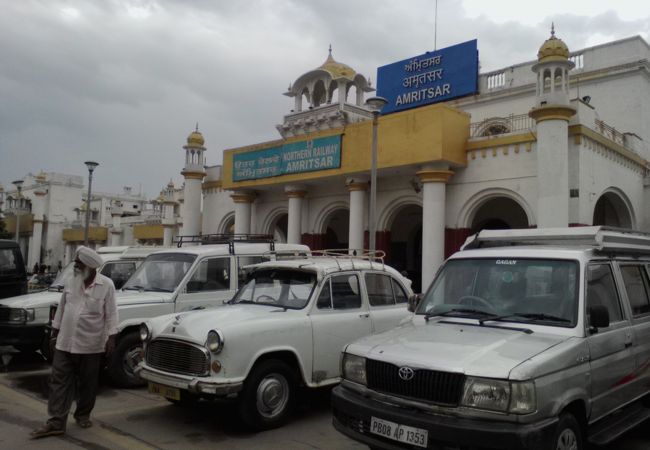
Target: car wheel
point(268, 396)
point(568, 434)
point(125, 358)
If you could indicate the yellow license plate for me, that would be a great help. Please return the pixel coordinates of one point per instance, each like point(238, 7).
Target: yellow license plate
point(165, 391)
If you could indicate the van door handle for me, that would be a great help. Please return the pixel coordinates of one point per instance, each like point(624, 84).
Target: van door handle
point(364, 315)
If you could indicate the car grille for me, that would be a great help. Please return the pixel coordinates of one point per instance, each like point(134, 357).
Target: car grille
point(443, 388)
point(177, 357)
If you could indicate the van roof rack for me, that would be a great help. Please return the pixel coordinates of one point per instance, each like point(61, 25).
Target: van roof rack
point(230, 239)
point(600, 238)
point(344, 254)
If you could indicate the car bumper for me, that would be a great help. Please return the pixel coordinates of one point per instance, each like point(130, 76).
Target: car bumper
point(22, 335)
point(195, 385)
point(353, 412)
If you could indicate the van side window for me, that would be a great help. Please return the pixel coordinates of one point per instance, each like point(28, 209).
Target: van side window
point(400, 295)
point(325, 298)
point(636, 286)
point(380, 292)
point(119, 272)
point(345, 292)
point(243, 261)
point(601, 290)
point(211, 275)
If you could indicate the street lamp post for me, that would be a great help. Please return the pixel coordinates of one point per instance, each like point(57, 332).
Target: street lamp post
point(18, 206)
point(374, 104)
point(91, 168)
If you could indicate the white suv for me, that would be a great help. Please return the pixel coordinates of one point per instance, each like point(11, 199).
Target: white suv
point(526, 339)
point(286, 327)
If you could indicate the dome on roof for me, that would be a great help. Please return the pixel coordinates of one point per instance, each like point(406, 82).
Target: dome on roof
point(336, 69)
point(553, 49)
point(195, 139)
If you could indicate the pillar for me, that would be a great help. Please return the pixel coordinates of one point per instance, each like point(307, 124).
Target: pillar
point(357, 188)
point(38, 206)
point(243, 201)
point(116, 225)
point(294, 221)
point(433, 221)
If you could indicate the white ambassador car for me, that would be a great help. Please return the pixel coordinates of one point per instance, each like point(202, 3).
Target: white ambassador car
point(285, 327)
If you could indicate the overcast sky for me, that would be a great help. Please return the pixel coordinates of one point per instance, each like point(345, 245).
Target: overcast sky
point(123, 82)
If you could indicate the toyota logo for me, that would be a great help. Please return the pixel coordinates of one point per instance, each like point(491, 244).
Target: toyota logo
point(406, 373)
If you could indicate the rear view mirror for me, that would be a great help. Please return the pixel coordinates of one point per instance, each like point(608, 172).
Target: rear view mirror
point(413, 302)
point(598, 317)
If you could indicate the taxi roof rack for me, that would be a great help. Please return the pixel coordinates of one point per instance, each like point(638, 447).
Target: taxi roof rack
point(344, 254)
point(601, 238)
point(230, 239)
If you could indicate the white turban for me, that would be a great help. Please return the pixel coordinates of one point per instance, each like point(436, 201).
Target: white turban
point(89, 257)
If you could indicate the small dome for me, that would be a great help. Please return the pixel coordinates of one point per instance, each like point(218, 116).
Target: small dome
point(336, 69)
point(553, 49)
point(195, 139)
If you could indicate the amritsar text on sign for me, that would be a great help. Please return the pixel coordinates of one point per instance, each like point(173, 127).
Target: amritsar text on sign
point(296, 157)
point(433, 77)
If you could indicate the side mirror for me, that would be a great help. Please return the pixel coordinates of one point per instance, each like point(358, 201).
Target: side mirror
point(598, 317)
point(413, 302)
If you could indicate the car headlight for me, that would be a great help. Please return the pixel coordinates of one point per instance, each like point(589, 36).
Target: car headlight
point(214, 342)
point(499, 395)
point(353, 368)
point(21, 315)
point(145, 332)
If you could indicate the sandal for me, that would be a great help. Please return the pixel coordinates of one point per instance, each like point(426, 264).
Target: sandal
point(46, 430)
point(84, 423)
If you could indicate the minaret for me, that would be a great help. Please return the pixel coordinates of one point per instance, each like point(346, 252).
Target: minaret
point(194, 171)
point(552, 113)
point(168, 222)
point(116, 228)
point(38, 209)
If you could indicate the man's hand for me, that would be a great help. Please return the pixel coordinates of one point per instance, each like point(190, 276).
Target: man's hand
point(110, 346)
point(52, 344)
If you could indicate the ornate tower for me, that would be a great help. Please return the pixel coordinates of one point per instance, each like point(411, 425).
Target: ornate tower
point(552, 113)
point(168, 221)
point(194, 171)
point(38, 210)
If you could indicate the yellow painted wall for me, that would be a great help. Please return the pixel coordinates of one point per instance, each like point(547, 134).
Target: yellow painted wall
point(77, 234)
point(148, 231)
point(26, 224)
point(414, 137)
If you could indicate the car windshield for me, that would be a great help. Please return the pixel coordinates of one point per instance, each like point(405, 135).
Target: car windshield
point(515, 290)
point(9, 261)
point(274, 287)
point(160, 272)
point(62, 278)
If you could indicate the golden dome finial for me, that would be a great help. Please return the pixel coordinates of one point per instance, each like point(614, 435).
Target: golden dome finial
point(195, 139)
point(553, 49)
point(337, 69)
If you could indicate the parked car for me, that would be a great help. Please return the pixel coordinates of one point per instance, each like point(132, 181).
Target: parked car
point(13, 277)
point(24, 319)
point(526, 339)
point(183, 279)
point(285, 328)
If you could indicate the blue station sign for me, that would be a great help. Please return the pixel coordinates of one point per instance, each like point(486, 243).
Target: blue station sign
point(297, 157)
point(429, 78)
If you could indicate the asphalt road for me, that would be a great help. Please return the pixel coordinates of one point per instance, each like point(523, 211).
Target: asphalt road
point(135, 419)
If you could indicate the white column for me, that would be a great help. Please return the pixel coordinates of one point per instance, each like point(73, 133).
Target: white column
point(358, 213)
point(38, 206)
point(243, 201)
point(192, 204)
point(433, 221)
point(294, 220)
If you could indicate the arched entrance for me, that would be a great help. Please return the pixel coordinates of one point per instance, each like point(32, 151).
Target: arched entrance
point(499, 213)
point(612, 210)
point(336, 229)
point(228, 225)
point(279, 227)
point(405, 251)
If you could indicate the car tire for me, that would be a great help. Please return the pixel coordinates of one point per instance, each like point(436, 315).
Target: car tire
point(268, 397)
point(568, 434)
point(125, 358)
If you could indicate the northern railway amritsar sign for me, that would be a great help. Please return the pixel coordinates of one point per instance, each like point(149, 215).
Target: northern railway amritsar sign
point(429, 78)
point(296, 157)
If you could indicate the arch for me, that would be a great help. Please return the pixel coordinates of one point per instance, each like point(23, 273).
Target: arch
point(390, 211)
point(320, 222)
point(493, 126)
point(468, 211)
point(404, 251)
point(319, 93)
point(227, 224)
point(614, 208)
point(275, 224)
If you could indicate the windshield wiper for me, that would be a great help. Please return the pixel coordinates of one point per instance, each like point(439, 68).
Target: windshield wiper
point(529, 316)
point(155, 289)
point(133, 288)
point(460, 311)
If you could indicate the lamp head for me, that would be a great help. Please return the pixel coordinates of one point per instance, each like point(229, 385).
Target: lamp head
point(376, 104)
point(91, 165)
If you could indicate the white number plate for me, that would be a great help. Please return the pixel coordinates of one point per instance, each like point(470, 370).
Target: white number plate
point(397, 432)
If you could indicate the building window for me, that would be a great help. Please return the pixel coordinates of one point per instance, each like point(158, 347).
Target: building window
point(578, 60)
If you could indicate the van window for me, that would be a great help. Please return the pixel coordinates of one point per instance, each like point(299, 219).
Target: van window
point(119, 272)
point(325, 297)
point(636, 286)
point(400, 295)
point(243, 261)
point(211, 274)
point(9, 261)
point(345, 292)
point(601, 290)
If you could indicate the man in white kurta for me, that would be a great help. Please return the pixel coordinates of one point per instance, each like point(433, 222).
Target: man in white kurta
point(84, 327)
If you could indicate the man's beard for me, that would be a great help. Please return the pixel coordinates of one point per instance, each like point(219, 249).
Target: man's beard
point(82, 273)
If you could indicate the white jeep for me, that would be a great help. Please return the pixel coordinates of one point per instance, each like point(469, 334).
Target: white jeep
point(286, 327)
